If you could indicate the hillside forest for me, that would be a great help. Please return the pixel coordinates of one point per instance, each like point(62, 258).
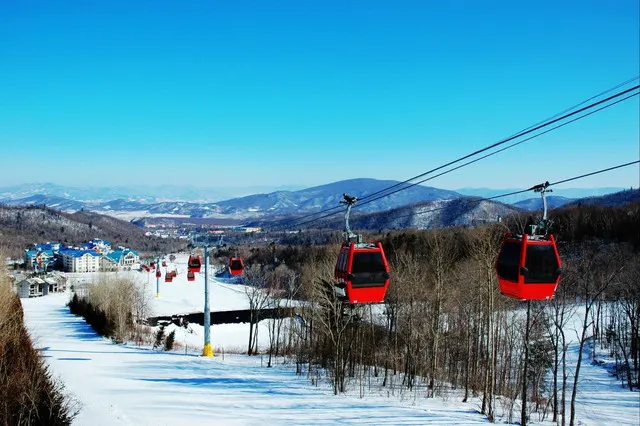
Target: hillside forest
point(20, 227)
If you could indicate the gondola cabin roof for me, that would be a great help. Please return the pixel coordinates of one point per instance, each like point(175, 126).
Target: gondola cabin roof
point(528, 267)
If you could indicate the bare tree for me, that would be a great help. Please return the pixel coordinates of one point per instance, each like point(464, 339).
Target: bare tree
point(334, 319)
point(561, 314)
point(441, 260)
point(281, 288)
point(257, 296)
point(485, 251)
point(591, 271)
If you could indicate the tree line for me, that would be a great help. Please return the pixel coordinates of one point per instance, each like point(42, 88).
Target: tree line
point(29, 394)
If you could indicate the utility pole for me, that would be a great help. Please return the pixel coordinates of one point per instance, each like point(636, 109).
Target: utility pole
point(525, 385)
point(157, 278)
point(207, 350)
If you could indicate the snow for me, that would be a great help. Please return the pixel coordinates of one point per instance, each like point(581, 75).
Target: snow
point(118, 384)
point(129, 215)
point(601, 399)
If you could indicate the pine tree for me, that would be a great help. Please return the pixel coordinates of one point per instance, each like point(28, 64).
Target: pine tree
point(168, 343)
point(159, 337)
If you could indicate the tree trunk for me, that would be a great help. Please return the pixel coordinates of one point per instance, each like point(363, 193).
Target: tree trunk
point(523, 414)
point(574, 391)
point(250, 337)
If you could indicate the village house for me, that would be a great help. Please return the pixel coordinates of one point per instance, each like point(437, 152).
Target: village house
point(80, 261)
point(93, 256)
point(26, 287)
point(31, 287)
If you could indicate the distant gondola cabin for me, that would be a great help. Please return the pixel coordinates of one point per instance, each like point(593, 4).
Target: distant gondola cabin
point(194, 263)
point(236, 266)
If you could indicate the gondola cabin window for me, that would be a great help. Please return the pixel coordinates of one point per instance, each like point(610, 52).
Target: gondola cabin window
point(509, 261)
point(541, 264)
point(368, 270)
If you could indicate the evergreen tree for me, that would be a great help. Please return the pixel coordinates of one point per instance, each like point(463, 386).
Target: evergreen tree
point(168, 343)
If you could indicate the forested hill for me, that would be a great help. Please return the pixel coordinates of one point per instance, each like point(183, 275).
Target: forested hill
point(20, 227)
point(619, 223)
point(467, 211)
point(616, 199)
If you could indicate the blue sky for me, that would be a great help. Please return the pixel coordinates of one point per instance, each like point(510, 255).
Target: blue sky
point(249, 93)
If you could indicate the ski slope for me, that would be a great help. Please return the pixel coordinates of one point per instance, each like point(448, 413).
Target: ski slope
point(116, 384)
point(126, 385)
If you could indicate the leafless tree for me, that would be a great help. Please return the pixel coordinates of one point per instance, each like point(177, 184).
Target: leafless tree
point(257, 295)
point(591, 271)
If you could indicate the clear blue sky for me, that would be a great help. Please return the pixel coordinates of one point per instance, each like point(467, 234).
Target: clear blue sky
point(243, 93)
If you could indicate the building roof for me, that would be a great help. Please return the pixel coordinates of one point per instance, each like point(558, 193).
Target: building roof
point(33, 254)
point(47, 247)
point(80, 253)
point(116, 255)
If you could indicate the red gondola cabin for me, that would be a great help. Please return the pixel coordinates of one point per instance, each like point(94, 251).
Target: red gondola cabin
point(236, 267)
point(362, 273)
point(528, 267)
point(194, 263)
point(191, 276)
point(158, 273)
point(168, 277)
point(164, 263)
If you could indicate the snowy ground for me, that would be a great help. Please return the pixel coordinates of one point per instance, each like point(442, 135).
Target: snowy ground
point(126, 385)
point(601, 400)
point(118, 384)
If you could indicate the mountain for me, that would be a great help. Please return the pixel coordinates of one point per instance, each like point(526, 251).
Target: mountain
point(533, 204)
point(141, 193)
point(53, 201)
point(329, 195)
point(617, 199)
point(426, 215)
point(276, 203)
point(512, 199)
point(20, 227)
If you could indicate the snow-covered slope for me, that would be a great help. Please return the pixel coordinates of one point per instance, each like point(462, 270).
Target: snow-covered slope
point(118, 384)
point(134, 386)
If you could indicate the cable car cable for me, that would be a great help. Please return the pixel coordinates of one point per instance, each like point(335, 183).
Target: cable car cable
point(521, 133)
point(365, 200)
point(510, 138)
point(478, 200)
point(500, 150)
